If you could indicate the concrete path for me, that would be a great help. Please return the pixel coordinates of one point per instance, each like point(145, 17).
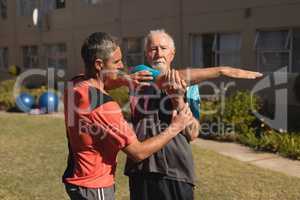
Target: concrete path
point(246, 154)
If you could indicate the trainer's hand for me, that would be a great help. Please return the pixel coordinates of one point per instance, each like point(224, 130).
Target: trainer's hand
point(181, 119)
point(239, 73)
point(140, 78)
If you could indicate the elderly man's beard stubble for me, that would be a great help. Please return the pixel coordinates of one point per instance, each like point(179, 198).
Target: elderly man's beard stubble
point(161, 66)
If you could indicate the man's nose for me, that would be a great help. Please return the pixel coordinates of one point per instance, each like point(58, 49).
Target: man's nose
point(158, 52)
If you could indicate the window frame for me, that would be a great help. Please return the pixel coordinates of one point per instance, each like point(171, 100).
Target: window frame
point(215, 47)
point(288, 47)
point(141, 53)
point(6, 60)
point(58, 3)
point(34, 57)
point(21, 10)
point(57, 60)
point(3, 9)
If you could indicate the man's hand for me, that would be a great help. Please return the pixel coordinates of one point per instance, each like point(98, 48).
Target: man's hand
point(181, 118)
point(175, 87)
point(136, 79)
point(239, 73)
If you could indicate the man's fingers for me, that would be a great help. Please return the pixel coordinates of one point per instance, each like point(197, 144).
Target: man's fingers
point(177, 78)
point(144, 84)
point(144, 73)
point(183, 83)
point(145, 78)
point(173, 79)
point(248, 74)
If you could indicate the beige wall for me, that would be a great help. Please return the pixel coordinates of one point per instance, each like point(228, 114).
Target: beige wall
point(132, 18)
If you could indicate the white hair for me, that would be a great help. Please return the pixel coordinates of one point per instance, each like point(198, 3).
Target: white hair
point(158, 32)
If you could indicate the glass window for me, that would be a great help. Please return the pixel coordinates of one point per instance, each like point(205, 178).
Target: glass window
point(4, 58)
point(227, 49)
point(26, 7)
point(197, 50)
point(273, 50)
point(56, 56)
point(296, 51)
point(3, 9)
point(91, 2)
point(216, 49)
point(60, 4)
point(133, 51)
point(30, 56)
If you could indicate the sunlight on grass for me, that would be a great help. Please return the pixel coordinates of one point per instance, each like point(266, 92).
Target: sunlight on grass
point(33, 157)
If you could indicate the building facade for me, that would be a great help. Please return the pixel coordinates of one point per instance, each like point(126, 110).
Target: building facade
point(261, 35)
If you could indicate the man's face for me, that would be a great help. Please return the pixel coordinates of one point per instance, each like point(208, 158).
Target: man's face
point(113, 65)
point(159, 53)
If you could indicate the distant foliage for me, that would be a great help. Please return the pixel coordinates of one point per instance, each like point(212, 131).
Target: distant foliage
point(248, 129)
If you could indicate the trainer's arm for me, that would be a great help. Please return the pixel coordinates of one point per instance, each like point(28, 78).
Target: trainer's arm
point(139, 151)
point(129, 80)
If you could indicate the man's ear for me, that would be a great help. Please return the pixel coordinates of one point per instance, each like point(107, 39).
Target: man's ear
point(174, 52)
point(98, 64)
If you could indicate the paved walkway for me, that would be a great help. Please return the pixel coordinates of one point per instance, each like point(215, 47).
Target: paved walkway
point(245, 154)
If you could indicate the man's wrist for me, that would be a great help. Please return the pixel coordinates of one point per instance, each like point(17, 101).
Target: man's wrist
point(173, 129)
point(178, 102)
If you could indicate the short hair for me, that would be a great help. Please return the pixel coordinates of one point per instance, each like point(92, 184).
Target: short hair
point(98, 45)
point(159, 32)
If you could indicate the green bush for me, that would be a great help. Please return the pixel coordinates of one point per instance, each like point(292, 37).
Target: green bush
point(7, 100)
point(286, 144)
point(249, 130)
point(121, 95)
point(6, 95)
point(234, 112)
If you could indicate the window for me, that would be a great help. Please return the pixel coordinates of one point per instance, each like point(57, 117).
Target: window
point(56, 56)
point(91, 2)
point(296, 51)
point(277, 49)
point(227, 49)
point(60, 4)
point(133, 50)
point(3, 9)
point(4, 58)
point(216, 49)
point(30, 56)
point(273, 49)
point(26, 7)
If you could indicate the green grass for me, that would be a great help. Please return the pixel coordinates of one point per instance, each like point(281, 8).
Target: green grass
point(33, 155)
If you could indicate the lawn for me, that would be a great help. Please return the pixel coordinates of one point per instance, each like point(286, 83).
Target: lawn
point(33, 156)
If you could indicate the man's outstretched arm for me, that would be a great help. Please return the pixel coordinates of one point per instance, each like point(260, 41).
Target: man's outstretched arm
point(194, 76)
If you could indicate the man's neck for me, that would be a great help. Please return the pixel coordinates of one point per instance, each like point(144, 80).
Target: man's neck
point(97, 83)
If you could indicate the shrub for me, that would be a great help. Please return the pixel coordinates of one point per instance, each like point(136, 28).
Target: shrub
point(121, 95)
point(235, 113)
point(249, 130)
point(6, 95)
point(7, 100)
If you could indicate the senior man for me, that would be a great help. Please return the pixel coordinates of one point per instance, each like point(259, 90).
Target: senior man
point(169, 173)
